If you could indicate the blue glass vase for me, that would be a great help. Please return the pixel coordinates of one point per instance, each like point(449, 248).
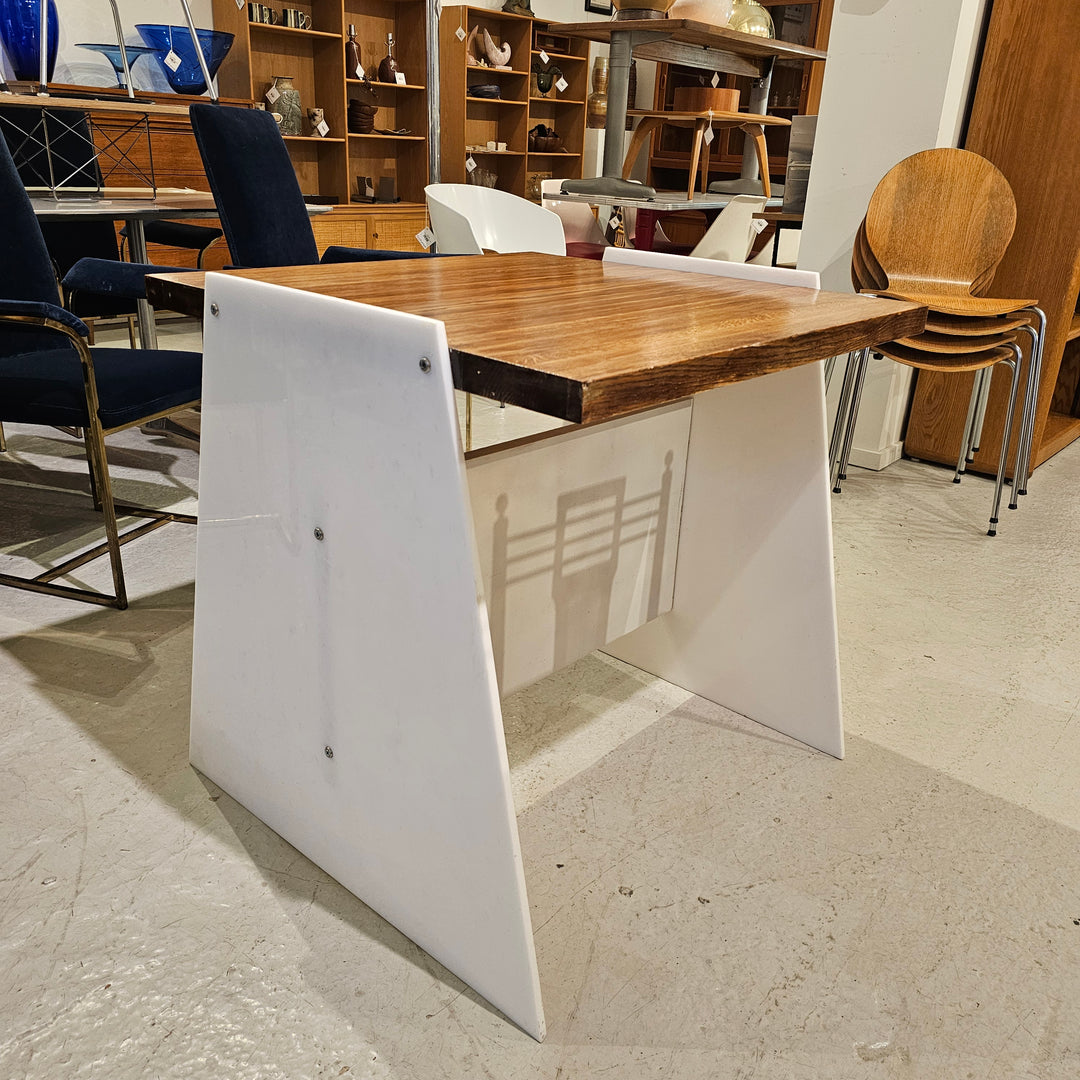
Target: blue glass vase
point(20, 26)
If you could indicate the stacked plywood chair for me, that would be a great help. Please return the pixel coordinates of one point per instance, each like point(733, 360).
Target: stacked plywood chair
point(936, 229)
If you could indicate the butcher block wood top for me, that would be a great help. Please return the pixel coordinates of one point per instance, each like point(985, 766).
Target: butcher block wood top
point(587, 341)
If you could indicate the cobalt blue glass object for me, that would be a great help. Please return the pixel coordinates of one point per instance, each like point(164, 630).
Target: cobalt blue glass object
point(188, 77)
point(111, 52)
point(20, 31)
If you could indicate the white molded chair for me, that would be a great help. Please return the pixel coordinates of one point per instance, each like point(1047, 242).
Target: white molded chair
point(579, 222)
point(775, 275)
point(731, 236)
point(468, 219)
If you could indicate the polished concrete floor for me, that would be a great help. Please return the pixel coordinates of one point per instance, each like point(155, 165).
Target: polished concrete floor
point(709, 899)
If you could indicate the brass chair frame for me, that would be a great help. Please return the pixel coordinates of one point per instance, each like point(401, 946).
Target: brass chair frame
point(100, 490)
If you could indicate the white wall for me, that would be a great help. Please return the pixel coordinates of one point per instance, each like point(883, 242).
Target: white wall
point(896, 82)
point(91, 21)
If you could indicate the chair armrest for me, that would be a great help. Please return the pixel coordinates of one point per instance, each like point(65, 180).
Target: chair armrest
point(336, 254)
point(111, 277)
point(41, 310)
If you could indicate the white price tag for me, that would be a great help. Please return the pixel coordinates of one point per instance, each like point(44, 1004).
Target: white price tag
point(399, 78)
point(359, 71)
point(561, 85)
point(273, 94)
point(323, 128)
point(470, 163)
point(716, 78)
point(544, 58)
point(460, 34)
point(172, 61)
point(239, 5)
point(708, 135)
point(425, 238)
point(759, 225)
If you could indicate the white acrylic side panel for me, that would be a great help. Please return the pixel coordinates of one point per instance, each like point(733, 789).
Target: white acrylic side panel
point(753, 626)
point(744, 271)
point(372, 642)
point(577, 534)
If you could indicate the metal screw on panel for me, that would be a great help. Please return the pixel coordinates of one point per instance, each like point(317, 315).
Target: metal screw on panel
point(319, 534)
point(425, 364)
point(328, 751)
point(215, 310)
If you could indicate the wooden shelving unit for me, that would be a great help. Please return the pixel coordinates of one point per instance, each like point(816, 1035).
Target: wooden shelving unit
point(315, 58)
point(1029, 127)
point(469, 123)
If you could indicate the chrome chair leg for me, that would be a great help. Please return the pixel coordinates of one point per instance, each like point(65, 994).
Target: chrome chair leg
point(830, 366)
point(969, 427)
point(1027, 411)
point(863, 364)
point(1035, 376)
point(1006, 435)
point(980, 413)
point(840, 419)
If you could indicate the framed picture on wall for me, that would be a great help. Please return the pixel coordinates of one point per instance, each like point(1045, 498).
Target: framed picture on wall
point(600, 7)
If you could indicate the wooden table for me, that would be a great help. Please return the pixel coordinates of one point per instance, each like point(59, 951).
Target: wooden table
point(691, 44)
point(365, 593)
point(750, 124)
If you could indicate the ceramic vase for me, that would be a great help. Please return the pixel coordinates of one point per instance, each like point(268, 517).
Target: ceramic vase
point(596, 109)
point(20, 31)
point(288, 104)
point(750, 17)
point(715, 12)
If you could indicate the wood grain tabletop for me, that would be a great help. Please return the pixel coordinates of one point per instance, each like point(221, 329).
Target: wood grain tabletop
point(587, 341)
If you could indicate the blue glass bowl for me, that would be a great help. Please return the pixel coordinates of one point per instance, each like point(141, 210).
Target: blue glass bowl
point(20, 26)
point(188, 77)
point(111, 52)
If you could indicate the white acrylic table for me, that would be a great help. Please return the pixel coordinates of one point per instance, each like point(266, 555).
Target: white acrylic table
point(365, 592)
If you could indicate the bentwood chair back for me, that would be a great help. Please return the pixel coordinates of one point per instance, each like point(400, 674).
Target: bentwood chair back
point(939, 221)
point(50, 376)
point(468, 219)
point(731, 235)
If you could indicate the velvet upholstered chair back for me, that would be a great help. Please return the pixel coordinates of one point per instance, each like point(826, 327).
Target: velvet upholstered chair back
point(255, 187)
point(26, 272)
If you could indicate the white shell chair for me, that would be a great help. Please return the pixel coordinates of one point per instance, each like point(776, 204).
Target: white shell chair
point(579, 222)
point(468, 219)
point(731, 235)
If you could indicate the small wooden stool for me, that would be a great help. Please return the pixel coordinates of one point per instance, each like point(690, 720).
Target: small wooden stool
point(750, 124)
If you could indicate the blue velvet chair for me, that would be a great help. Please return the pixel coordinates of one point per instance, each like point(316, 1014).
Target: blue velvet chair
point(49, 375)
point(257, 194)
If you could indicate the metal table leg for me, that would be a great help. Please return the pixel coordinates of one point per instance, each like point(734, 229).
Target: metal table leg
point(137, 242)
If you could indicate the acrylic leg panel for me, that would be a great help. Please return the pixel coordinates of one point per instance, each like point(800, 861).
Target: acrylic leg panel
point(753, 625)
point(369, 643)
